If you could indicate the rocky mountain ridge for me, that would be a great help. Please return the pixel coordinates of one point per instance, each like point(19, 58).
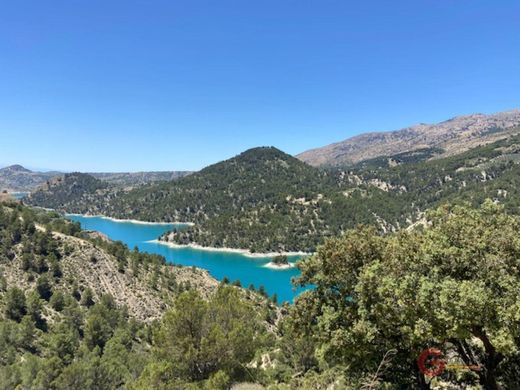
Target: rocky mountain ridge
point(450, 137)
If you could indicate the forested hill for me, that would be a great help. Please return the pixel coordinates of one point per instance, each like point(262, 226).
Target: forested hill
point(72, 192)
point(252, 180)
point(266, 201)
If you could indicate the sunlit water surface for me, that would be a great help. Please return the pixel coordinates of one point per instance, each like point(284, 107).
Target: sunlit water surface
point(234, 266)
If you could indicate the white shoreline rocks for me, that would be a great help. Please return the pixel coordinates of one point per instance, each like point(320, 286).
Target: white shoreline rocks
point(245, 252)
point(129, 220)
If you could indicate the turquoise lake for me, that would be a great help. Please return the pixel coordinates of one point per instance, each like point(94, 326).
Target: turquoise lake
point(234, 266)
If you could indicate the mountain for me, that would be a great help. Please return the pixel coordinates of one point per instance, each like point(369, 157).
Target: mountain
point(448, 138)
point(16, 178)
point(265, 200)
point(263, 185)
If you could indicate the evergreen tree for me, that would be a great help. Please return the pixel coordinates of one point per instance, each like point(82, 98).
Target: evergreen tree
point(15, 307)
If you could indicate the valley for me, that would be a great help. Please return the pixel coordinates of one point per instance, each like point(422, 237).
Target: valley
point(259, 195)
point(271, 260)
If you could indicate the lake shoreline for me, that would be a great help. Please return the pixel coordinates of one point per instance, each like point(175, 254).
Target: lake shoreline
point(244, 252)
point(220, 264)
point(136, 221)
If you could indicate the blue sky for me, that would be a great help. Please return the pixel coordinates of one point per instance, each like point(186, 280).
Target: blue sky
point(169, 85)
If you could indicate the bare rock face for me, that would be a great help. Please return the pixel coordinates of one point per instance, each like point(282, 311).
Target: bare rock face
point(453, 136)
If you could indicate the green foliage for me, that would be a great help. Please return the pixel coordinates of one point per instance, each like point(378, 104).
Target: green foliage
point(280, 260)
point(43, 287)
point(87, 298)
point(198, 340)
point(57, 301)
point(15, 307)
point(453, 285)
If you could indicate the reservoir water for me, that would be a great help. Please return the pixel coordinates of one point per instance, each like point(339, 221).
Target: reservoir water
point(234, 266)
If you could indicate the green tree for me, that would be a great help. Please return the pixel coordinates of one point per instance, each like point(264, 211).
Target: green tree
point(26, 333)
point(102, 320)
point(64, 342)
point(57, 301)
point(34, 310)
point(452, 285)
point(15, 307)
point(87, 298)
point(43, 287)
point(198, 338)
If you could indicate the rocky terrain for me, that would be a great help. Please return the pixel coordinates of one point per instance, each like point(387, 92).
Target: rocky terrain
point(95, 269)
point(450, 137)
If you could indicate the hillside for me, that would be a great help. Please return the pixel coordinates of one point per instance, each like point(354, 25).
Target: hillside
point(35, 244)
point(16, 178)
point(267, 201)
point(263, 192)
point(450, 137)
point(72, 192)
point(80, 311)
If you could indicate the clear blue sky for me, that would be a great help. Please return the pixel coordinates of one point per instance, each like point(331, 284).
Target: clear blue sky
point(106, 85)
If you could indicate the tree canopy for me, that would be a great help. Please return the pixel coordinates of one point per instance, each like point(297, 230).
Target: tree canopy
point(454, 285)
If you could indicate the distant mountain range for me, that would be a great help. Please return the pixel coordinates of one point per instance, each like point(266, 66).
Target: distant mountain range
point(16, 178)
point(453, 136)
